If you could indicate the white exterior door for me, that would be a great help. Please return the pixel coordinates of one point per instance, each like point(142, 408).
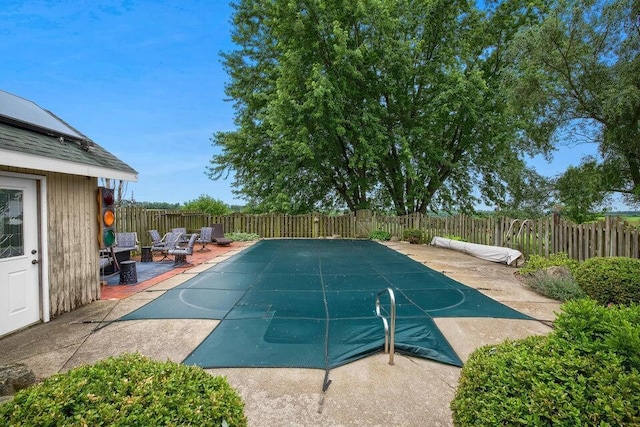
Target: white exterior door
point(19, 267)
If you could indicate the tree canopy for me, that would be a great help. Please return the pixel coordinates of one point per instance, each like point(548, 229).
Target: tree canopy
point(577, 78)
point(208, 205)
point(580, 191)
point(366, 103)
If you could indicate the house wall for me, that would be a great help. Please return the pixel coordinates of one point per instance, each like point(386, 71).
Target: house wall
point(72, 236)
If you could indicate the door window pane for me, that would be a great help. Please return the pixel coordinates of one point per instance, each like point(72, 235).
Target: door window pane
point(11, 227)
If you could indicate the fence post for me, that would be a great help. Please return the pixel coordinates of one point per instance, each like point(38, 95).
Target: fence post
point(316, 222)
point(555, 232)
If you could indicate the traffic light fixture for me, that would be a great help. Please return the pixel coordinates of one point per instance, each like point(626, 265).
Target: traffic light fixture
point(107, 218)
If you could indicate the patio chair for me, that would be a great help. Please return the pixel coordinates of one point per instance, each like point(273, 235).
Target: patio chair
point(205, 237)
point(217, 235)
point(169, 241)
point(158, 244)
point(184, 237)
point(180, 254)
point(106, 259)
point(127, 241)
point(156, 240)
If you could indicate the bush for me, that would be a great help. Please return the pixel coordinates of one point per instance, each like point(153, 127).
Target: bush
point(592, 328)
point(413, 235)
point(586, 372)
point(238, 236)
point(125, 391)
point(554, 282)
point(614, 280)
point(379, 235)
point(538, 262)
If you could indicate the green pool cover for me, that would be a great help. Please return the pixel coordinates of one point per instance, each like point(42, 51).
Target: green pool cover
point(311, 304)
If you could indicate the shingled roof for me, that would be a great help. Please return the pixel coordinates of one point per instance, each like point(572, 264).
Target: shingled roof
point(25, 145)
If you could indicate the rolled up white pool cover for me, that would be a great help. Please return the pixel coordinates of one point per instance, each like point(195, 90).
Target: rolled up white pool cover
point(490, 253)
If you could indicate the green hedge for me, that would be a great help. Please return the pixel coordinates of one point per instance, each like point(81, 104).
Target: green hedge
point(613, 280)
point(586, 372)
point(129, 390)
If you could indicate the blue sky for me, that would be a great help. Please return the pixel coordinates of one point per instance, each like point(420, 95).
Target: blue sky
point(141, 78)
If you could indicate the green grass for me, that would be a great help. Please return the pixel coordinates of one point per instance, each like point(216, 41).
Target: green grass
point(634, 220)
point(631, 219)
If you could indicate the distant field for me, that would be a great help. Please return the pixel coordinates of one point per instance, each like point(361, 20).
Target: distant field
point(633, 219)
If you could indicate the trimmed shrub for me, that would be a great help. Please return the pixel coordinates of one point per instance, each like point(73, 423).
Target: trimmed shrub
point(586, 372)
point(413, 235)
point(538, 262)
point(379, 235)
point(554, 282)
point(125, 391)
point(592, 328)
point(614, 280)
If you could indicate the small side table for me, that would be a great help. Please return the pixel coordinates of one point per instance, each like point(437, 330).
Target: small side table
point(146, 255)
point(128, 273)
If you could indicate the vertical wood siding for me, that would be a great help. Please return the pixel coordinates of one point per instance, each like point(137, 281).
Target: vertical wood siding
point(73, 246)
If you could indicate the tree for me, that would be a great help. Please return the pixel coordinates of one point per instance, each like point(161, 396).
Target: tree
point(372, 103)
point(577, 77)
point(581, 191)
point(208, 205)
point(531, 196)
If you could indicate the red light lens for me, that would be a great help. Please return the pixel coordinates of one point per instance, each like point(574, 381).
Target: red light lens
point(107, 196)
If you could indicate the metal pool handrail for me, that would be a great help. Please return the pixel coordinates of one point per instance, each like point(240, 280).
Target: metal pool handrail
point(389, 333)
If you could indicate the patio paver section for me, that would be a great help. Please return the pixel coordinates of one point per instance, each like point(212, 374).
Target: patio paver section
point(198, 260)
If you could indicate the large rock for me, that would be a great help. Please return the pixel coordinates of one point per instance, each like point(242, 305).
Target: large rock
point(15, 377)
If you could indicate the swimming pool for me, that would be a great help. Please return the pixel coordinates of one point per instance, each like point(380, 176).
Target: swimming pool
point(310, 303)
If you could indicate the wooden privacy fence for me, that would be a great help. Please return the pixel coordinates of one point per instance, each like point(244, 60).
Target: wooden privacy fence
point(610, 237)
point(270, 225)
